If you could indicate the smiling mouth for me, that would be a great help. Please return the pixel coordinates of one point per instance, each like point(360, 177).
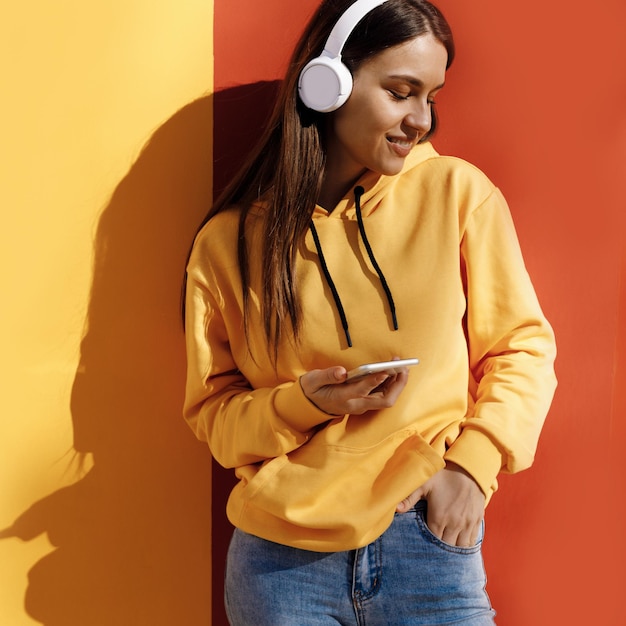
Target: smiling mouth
point(403, 143)
point(400, 147)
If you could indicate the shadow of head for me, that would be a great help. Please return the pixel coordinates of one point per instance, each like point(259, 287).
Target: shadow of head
point(130, 380)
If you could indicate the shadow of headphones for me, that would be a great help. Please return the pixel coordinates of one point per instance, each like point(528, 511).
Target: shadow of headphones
point(325, 83)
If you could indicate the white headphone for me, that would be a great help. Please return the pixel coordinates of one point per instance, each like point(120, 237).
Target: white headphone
point(325, 83)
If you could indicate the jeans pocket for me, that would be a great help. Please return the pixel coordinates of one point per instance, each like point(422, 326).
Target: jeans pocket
point(428, 535)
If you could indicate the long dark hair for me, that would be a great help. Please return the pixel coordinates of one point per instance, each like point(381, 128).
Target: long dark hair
point(285, 169)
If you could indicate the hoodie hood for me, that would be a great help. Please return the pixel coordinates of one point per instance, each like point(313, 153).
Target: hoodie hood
point(375, 186)
point(361, 201)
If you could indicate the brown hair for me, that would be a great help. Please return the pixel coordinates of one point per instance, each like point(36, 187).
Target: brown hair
point(286, 167)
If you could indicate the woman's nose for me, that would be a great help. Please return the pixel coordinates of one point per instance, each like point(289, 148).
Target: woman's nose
point(420, 118)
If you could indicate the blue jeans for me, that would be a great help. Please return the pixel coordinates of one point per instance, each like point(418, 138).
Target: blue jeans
point(407, 577)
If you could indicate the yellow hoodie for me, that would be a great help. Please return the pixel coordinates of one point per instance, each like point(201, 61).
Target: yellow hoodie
point(443, 237)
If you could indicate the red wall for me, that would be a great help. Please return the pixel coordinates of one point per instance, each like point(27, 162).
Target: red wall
point(536, 99)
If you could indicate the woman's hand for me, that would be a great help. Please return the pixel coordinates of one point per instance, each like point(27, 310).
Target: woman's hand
point(456, 505)
point(329, 392)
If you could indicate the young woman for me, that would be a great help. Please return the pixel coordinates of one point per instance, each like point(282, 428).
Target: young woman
point(347, 239)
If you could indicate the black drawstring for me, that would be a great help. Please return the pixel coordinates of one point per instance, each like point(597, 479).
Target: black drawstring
point(331, 284)
point(358, 192)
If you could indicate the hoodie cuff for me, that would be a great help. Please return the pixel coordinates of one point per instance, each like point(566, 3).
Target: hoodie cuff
point(296, 410)
point(479, 457)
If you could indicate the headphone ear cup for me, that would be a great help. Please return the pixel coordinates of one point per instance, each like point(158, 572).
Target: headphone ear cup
point(325, 84)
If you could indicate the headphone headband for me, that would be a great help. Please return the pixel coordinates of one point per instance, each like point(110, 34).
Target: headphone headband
point(325, 83)
point(346, 24)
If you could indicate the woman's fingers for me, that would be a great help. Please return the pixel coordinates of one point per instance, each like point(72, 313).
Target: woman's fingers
point(455, 506)
point(328, 390)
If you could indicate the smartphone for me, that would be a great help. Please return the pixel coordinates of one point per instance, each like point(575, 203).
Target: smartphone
point(374, 368)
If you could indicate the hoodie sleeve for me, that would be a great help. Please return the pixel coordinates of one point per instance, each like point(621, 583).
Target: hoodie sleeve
point(511, 350)
point(241, 425)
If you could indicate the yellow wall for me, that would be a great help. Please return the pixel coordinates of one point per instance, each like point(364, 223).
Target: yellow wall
point(105, 169)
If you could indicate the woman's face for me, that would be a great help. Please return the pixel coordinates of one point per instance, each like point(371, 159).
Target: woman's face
point(388, 111)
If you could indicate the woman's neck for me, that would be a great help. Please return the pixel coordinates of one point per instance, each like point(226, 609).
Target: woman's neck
point(334, 188)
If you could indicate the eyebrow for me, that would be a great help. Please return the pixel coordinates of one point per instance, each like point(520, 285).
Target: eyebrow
point(414, 81)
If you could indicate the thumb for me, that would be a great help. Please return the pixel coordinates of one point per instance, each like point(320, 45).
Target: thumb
point(313, 381)
point(410, 501)
point(336, 374)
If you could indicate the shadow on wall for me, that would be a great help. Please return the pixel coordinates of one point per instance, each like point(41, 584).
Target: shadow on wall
point(132, 538)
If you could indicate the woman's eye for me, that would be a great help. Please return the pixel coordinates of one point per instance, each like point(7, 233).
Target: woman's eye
point(399, 96)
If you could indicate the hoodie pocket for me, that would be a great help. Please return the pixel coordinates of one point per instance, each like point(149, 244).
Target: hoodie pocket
point(345, 491)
